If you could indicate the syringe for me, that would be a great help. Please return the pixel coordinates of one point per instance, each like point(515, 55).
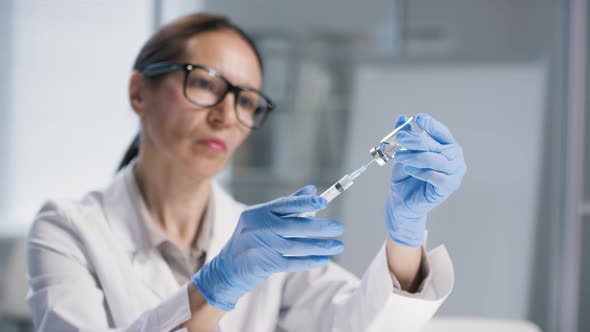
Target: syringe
point(381, 154)
point(340, 186)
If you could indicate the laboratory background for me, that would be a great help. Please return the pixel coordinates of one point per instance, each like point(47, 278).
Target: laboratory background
point(510, 78)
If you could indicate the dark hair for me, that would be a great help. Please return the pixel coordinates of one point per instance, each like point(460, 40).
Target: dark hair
point(168, 44)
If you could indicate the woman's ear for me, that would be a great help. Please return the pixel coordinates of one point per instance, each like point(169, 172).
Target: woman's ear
point(137, 91)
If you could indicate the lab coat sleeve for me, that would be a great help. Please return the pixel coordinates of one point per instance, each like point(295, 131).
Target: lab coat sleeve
point(65, 296)
point(332, 299)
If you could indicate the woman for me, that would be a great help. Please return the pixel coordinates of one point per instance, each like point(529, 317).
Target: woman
point(164, 248)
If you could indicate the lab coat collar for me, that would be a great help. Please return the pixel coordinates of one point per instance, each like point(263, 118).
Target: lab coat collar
point(154, 235)
point(126, 221)
point(122, 216)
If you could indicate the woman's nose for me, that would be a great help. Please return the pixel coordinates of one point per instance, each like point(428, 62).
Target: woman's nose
point(223, 114)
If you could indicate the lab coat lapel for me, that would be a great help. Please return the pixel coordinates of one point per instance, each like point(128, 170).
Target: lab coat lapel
point(151, 268)
point(125, 221)
point(148, 265)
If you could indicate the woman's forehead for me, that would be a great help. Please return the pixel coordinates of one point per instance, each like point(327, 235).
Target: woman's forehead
point(226, 52)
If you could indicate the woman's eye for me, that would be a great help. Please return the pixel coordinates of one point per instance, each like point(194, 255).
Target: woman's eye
point(247, 103)
point(202, 84)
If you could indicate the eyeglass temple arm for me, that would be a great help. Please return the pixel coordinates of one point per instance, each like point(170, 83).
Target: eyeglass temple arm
point(160, 68)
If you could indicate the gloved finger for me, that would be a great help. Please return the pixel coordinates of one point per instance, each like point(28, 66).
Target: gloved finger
point(398, 174)
point(296, 264)
point(430, 160)
point(443, 183)
point(453, 152)
point(307, 190)
point(434, 128)
point(401, 120)
point(418, 141)
point(310, 227)
point(306, 247)
point(296, 204)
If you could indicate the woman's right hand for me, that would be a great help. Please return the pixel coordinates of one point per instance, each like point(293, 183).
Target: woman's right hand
point(269, 238)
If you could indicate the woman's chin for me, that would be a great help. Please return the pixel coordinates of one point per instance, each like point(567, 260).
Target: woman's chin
point(205, 168)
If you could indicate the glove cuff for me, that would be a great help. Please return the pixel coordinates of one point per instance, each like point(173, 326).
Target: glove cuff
point(408, 241)
point(214, 287)
point(408, 232)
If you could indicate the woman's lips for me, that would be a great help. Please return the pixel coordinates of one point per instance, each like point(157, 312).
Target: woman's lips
point(214, 144)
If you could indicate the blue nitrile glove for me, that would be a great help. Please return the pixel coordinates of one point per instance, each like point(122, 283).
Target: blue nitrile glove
point(423, 176)
point(268, 239)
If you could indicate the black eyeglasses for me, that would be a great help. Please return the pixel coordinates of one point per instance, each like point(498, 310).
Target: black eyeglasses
point(206, 87)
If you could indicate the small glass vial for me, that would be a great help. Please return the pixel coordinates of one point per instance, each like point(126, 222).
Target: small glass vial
point(388, 146)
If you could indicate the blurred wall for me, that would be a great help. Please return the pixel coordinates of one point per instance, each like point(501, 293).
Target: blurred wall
point(69, 115)
point(65, 118)
point(338, 16)
point(6, 41)
point(480, 26)
point(426, 26)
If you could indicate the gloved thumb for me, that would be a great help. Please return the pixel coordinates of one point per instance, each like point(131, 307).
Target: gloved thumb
point(307, 190)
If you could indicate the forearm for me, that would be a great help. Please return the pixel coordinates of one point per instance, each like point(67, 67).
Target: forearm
point(404, 262)
point(204, 317)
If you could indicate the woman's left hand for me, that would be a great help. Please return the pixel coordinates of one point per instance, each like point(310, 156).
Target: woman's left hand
point(423, 176)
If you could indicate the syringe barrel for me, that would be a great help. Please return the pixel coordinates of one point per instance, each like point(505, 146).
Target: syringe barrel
point(337, 188)
point(334, 191)
point(331, 193)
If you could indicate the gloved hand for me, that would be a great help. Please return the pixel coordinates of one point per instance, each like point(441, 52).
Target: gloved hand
point(268, 239)
point(423, 176)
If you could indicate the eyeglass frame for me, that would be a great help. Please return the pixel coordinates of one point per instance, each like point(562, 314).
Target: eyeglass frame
point(166, 67)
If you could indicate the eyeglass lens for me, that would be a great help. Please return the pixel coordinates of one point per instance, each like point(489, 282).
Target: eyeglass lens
point(206, 89)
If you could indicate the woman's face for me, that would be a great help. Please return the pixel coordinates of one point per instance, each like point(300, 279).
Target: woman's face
point(195, 140)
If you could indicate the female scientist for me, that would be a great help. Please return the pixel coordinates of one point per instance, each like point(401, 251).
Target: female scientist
point(164, 248)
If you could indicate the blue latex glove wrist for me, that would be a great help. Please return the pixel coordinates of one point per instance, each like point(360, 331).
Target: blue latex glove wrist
point(269, 239)
point(423, 176)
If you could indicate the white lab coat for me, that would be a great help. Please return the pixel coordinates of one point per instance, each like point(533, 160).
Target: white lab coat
point(88, 271)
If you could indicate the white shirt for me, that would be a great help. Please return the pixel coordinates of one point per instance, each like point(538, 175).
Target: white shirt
point(91, 268)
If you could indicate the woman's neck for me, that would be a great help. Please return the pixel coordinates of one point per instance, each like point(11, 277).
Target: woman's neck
point(177, 203)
